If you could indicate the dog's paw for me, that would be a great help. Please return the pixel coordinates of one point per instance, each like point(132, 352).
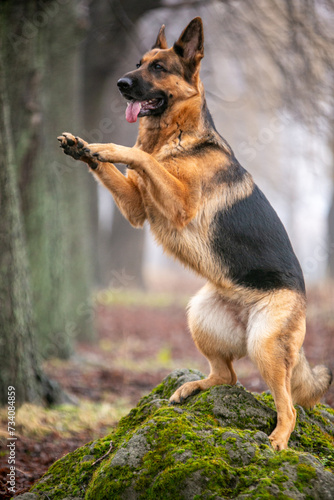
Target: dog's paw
point(72, 146)
point(185, 391)
point(78, 149)
point(278, 442)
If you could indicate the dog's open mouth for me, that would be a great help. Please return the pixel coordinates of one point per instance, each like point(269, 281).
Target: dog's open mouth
point(143, 108)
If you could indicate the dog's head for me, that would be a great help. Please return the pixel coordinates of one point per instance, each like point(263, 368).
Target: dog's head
point(164, 75)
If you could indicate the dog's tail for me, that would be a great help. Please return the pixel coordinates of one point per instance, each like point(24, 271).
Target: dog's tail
point(308, 385)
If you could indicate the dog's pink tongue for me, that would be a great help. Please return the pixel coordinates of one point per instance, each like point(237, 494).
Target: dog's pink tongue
point(132, 111)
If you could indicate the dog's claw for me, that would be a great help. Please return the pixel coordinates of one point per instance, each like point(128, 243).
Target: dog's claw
point(73, 146)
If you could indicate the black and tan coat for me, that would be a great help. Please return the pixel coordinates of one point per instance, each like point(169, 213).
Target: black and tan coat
point(204, 209)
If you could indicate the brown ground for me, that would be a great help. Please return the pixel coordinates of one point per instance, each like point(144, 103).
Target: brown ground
point(136, 348)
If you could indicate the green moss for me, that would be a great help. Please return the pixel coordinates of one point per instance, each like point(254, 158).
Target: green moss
point(204, 448)
point(266, 398)
point(313, 431)
point(310, 436)
point(285, 456)
point(119, 477)
point(306, 472)
point(71, 474)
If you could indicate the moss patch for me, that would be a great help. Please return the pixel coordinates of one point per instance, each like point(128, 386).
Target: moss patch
point(213, 446)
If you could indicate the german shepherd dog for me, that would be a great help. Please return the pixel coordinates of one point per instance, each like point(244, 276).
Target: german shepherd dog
point(204, 209)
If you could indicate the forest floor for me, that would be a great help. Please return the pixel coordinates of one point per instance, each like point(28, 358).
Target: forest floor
point(140, 339)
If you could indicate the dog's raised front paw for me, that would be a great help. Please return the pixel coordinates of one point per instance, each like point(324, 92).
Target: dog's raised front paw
point(77, 148)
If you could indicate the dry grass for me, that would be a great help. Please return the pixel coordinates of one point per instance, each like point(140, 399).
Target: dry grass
point(37, 422)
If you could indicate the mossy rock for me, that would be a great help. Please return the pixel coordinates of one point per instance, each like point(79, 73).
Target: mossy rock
point(213, 446)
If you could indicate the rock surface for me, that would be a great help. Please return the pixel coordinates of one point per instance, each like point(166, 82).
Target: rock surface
point(214, 446)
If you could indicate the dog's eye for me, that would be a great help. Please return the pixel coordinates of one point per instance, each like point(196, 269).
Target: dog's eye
point(158, 67)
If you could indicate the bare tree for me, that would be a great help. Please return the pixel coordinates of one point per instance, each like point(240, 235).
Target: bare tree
point(112, 28)
point(39, 44)
point(285, 49)
point(20, 367)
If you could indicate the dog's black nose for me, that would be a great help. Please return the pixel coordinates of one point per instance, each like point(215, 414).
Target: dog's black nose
point(125, 83)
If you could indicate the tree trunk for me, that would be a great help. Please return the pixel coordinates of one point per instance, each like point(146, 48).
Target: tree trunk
point(330, 218)
point(18, 360)
point(112, 29)
point(43, 40)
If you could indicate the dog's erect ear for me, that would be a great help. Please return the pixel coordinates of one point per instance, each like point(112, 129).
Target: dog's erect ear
point(190, 45)
point(161, 42)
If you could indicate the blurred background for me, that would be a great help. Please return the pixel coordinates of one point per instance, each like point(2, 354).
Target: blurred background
point(89, 305)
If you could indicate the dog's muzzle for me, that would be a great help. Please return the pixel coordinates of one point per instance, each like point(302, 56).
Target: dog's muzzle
point(142, 100)
point(125, 84)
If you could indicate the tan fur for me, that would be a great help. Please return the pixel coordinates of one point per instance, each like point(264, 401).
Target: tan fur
point(308, 385)
point(270, 330)
point(177, 193)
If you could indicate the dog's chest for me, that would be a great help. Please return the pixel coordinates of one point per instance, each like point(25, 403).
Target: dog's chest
point(189, 244)
point(184, 244)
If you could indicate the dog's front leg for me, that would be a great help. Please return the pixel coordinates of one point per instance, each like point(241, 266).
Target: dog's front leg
point(125, 190)
point(175, 199)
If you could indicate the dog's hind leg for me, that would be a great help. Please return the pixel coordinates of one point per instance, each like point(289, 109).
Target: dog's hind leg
point(275, 333)
point(219, 335)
